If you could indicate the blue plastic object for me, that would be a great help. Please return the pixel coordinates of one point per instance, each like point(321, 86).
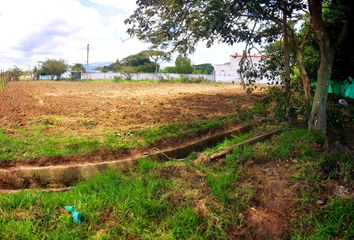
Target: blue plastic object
point(77, 216)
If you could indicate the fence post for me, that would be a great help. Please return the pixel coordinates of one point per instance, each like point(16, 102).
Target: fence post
point(1, 81)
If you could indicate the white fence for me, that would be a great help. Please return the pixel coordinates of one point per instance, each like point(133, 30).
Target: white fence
point(235, 78)
point(148, 76)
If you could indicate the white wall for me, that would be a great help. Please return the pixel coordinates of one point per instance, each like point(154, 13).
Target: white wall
point(228, 72)
point(143, 76)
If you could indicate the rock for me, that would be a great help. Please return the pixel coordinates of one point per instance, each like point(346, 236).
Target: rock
point(343, 103)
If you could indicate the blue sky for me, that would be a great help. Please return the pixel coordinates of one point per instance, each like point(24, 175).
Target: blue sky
point(34, 30)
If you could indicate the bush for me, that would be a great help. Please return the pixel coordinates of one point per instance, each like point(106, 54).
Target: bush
point(13, 74)
point(335, 116)
point(118, 79)
point(243, 115)
point(184, 79)
point(275, 99)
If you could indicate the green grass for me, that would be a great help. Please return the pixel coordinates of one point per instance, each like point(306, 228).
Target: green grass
point(153, 201)
point(311, 167)
point(297, 143)
point(336, 221)
point(35, 143)
point(235, 139)
point(223, 183)
point(181, 200)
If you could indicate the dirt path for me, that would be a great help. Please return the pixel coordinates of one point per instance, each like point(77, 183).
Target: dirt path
point(272, 207)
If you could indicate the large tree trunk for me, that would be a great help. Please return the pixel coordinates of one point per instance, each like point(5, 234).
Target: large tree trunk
point(318, 119)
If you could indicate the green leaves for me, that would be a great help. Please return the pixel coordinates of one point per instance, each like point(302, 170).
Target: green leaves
point(53, 67)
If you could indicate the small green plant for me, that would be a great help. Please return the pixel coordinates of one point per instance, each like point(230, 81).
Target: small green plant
point(118, 80)
point(337, 222)
point(338, 165)
point(275, 102)
point(243, 115)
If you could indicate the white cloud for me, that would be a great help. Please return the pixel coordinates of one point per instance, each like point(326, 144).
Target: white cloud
point(32, 31)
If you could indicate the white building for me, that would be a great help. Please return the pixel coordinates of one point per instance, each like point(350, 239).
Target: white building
point(228, 72)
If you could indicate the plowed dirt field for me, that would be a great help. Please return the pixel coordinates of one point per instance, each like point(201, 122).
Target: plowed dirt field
point(88, 108)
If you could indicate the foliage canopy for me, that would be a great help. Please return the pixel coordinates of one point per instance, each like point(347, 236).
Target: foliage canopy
point(54, 68)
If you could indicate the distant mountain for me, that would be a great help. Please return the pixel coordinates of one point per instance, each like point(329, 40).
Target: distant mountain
point(91, 67)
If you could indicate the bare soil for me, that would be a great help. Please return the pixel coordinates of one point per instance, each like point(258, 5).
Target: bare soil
point(89, 108)
point(272, 208)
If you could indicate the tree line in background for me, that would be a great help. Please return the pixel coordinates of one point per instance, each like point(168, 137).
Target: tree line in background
point(149, 62)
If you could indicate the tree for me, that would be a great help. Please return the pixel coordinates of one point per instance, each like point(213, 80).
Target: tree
point(205, 68)
point(183, 65)
point(140, 62)
point(54, 68)
point(114, 67)
point(104, 70)
point(148, 67)
point(78, 67)
point(157, 57)
point(128, 72)
point(169, 70)
point(330, 35)
point(13, 74)
point(287, 78)
point(136, 60)
point(298, 52)
point(180, 25)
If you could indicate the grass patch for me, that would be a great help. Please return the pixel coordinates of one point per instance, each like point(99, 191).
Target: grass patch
point(181, 200)
point(223, 180)
point(297, 143)
point(153, 201)
point(21, 143)
point(35, 143)
point(336, 221)
point(229, 142)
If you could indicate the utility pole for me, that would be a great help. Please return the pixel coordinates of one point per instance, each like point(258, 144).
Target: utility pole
point(87, 64)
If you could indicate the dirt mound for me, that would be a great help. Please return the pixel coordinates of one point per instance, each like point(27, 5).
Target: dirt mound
point(264, 225)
